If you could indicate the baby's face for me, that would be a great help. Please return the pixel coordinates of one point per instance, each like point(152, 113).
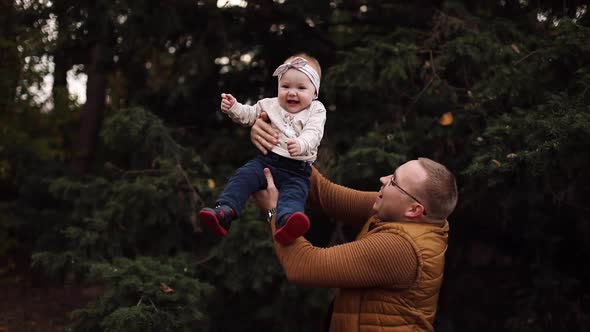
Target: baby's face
point(295, 91)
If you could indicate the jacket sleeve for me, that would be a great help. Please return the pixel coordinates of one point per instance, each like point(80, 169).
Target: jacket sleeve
point(380, 259)
point(344, 204)
point(244, 114)
point(312, 133)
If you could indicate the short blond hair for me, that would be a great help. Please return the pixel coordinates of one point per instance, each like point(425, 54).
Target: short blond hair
point(313, 62)
point(439, 190)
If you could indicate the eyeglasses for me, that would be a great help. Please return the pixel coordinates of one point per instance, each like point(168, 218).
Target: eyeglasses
point(395, 184)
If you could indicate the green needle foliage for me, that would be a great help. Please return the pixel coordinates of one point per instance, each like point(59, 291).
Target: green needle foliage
point(146, 294)
point(251, 285)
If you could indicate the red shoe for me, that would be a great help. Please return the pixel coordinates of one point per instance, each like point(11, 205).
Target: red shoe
point(297, 224)
point(218, 220)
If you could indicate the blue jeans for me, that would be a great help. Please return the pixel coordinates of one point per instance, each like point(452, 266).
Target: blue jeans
point(291, 177)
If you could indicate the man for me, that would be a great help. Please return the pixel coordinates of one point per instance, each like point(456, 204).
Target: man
point(389, 278)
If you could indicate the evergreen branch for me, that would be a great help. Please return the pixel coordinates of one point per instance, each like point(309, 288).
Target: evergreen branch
point(187, 127)
point(432, 64)
point(196, 195)
point(454, 87)
point(430, 52)
point(144, 171)
point(203, 261)
point(141, 300)
point(464, 73)
point(135, 171)
point(423, 90)
point(121, 227)
point(153, 305)
point(526, 56)
point(584, 92)
point(434, 74)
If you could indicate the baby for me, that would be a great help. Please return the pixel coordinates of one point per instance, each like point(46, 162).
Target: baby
point(299, 118)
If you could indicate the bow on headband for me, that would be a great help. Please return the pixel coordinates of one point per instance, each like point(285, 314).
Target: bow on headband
point(300, 64)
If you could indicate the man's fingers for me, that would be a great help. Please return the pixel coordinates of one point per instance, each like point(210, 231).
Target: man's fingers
point(261, 148)
point(264, 140)
point(270, 139)
point(264, 134)
point(269, 180)
point(269, 134)
point(264, 117)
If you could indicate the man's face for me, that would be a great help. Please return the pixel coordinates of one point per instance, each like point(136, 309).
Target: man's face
point(393, 204)
point(296, 92)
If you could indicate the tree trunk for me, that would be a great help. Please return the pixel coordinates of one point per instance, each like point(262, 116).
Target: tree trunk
point(62, 57)
point(60, 92)
point(9, 58)
point(92, 113)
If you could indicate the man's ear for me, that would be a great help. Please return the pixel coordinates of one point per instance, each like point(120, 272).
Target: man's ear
point(414, 211)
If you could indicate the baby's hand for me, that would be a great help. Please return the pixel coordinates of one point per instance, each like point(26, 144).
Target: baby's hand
point(227, 101)
point(293, 147)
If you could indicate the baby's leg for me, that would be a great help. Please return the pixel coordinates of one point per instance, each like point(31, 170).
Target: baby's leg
point(292, 197)
point(247, 179)
point(291, 219)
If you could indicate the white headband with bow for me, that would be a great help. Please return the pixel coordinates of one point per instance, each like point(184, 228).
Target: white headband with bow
point(301, 65)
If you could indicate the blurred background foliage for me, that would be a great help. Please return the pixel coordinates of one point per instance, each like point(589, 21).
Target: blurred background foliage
point(104, 189)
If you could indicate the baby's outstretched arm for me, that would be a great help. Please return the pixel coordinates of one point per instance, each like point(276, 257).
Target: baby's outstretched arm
point(227, 101)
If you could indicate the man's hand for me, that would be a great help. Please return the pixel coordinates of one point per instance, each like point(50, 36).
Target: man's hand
point(227, 101)
point(262, 134)
point(293, 147)
point(267, 199)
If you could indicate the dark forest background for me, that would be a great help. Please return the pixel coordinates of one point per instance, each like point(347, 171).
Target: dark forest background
point(105, 192)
